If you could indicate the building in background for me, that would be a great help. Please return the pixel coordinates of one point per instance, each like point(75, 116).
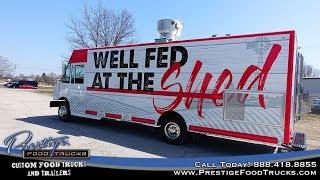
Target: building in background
point(311, 88)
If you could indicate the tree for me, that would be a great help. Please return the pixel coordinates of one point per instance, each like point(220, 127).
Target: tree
point(310, 71)
point(6, 67)
point(38, 78)
point(44, 77)
point(51, 78)
point(99, 26)
point(21, 76)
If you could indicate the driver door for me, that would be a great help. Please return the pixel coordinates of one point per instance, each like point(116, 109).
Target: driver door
point(76, 89)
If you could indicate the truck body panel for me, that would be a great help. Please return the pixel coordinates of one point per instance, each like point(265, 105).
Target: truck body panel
point(239, 87)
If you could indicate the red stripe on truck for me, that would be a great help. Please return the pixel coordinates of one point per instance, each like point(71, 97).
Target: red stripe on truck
point(143, 120)
point(113, 116)
point(79, 55)
point(157, 93)
point(91, 112)
point(287, 115)
point(254, 137)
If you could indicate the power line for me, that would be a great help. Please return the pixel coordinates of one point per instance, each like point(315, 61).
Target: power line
point(32, 68)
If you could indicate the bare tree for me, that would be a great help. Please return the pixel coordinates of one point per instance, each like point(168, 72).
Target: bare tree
point(6, 67)
point(52, 78)
point(100, 26)
point(310, 71)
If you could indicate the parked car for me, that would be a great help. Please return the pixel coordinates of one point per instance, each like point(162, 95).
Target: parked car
point(8, 81)
point(11, 84)
point(315, 107)
point(6, 84)
point(23, 84)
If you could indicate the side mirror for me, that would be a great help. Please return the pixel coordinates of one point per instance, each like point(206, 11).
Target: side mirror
point(64, 67)
point(300, 88)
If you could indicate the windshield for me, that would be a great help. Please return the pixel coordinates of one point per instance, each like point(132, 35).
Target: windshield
point(317, 101)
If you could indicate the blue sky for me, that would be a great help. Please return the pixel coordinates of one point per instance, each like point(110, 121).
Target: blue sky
point(33, 32)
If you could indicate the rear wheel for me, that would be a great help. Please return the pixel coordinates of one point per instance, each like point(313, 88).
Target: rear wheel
point(64, 112)
point(174, 131)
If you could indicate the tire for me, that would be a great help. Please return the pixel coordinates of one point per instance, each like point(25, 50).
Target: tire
point(64, 112)
point(174, 131)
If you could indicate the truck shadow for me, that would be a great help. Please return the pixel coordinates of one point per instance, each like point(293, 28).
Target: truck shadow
point(145, 139)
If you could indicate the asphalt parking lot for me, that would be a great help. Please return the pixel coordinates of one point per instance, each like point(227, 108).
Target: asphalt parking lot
point(27, 110)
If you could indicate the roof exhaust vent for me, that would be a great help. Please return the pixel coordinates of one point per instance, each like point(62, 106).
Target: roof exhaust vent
point(169, 30)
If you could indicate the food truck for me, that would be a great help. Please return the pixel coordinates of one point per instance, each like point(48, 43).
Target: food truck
point(240, 87)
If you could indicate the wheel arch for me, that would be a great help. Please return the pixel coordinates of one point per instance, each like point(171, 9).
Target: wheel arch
point(64, 99)
point(57, 103)
point(171, 114)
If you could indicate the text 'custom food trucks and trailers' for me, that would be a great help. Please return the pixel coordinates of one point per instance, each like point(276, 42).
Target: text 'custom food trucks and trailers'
point(239, 87)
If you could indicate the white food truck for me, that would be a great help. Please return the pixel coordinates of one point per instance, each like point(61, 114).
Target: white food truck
point(239, 87)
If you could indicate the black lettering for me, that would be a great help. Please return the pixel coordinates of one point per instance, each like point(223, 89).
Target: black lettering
point(121, 77)
point(97, 81)
point(137, 81)
point(122, 64)
point(100, 59)
point(113, 59)
point(147, 81)
point(149, 57)
point(106, 81)
point(132, 64)
point(184, 55)
point(161, 57)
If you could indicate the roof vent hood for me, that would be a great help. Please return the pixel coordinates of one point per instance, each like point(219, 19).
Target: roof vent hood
point(169, 30)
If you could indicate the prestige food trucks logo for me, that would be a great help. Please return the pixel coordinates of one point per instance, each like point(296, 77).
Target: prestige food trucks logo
point(45, 148)
point(144, 81)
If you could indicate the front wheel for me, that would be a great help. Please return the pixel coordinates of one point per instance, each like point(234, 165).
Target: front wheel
point(64, 113)
point(174, 131)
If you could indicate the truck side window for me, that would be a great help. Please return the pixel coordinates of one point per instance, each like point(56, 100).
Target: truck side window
point(66, 74)
point(79, 74)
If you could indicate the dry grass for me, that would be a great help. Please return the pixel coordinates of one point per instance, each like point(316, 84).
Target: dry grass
point(310, 124)
point(44, 89)
point(310, 116)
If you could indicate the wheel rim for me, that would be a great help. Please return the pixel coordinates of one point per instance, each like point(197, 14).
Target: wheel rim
point(172, 130)
point(63, 111)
